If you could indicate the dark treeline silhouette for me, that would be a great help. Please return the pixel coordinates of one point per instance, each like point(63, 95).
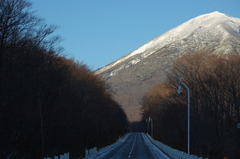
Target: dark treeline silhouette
point(49, 104)
point(214, 83)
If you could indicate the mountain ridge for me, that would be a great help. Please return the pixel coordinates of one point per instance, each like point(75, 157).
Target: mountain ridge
point(162, 37)
point(135, 72)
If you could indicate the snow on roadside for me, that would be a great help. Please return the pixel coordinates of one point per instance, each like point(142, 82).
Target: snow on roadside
point(103, 151)
point(155, 151)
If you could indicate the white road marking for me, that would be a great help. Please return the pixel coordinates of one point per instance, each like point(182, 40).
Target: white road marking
point(130, 153)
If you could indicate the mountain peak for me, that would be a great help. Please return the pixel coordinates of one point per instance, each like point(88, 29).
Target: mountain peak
point(217, 13)
point(208, 22)
point(132, 75)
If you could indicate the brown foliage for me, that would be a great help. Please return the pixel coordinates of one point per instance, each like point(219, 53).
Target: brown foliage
point(52, 105)
point(214, 83)
point(49, 104)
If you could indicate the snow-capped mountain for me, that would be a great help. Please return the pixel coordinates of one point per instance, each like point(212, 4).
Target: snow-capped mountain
point(133, 74)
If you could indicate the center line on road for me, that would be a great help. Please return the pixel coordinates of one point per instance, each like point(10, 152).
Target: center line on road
point(130, 153)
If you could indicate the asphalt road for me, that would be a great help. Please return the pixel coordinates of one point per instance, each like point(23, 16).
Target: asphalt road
point(132, 146)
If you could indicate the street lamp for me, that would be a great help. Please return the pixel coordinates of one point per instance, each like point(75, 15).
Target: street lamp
point(179, 90)
point(147, 125)
point(147, 121)
point(150, 120)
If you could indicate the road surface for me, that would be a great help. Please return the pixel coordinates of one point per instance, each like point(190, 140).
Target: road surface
point(132, 146)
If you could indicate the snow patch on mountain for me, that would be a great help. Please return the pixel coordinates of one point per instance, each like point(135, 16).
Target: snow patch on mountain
point(201, 28)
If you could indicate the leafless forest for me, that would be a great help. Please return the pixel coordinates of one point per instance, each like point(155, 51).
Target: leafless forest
point(49, 104)
point(214, 83)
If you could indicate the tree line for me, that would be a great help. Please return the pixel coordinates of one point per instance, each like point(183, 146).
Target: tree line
point(214, 83)
point(49, 104)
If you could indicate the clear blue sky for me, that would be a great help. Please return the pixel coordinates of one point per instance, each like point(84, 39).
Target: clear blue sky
point(98, 32)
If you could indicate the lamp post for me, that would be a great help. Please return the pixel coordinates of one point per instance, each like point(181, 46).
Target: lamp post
point(147, 125)
point(148, 121)
point(179, 90)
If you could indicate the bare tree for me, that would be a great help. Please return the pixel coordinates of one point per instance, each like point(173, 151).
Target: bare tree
point(214, 83)
point(20, 28)
point(19, 25)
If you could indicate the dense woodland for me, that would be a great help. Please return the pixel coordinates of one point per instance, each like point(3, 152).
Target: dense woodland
point(214, 83)
point(49, 104)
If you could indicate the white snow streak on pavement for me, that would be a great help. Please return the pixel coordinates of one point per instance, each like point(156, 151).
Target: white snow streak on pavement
point(104, 151)
point(155, 151)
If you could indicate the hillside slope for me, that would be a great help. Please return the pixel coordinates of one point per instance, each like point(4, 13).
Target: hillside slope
point(132, 75)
